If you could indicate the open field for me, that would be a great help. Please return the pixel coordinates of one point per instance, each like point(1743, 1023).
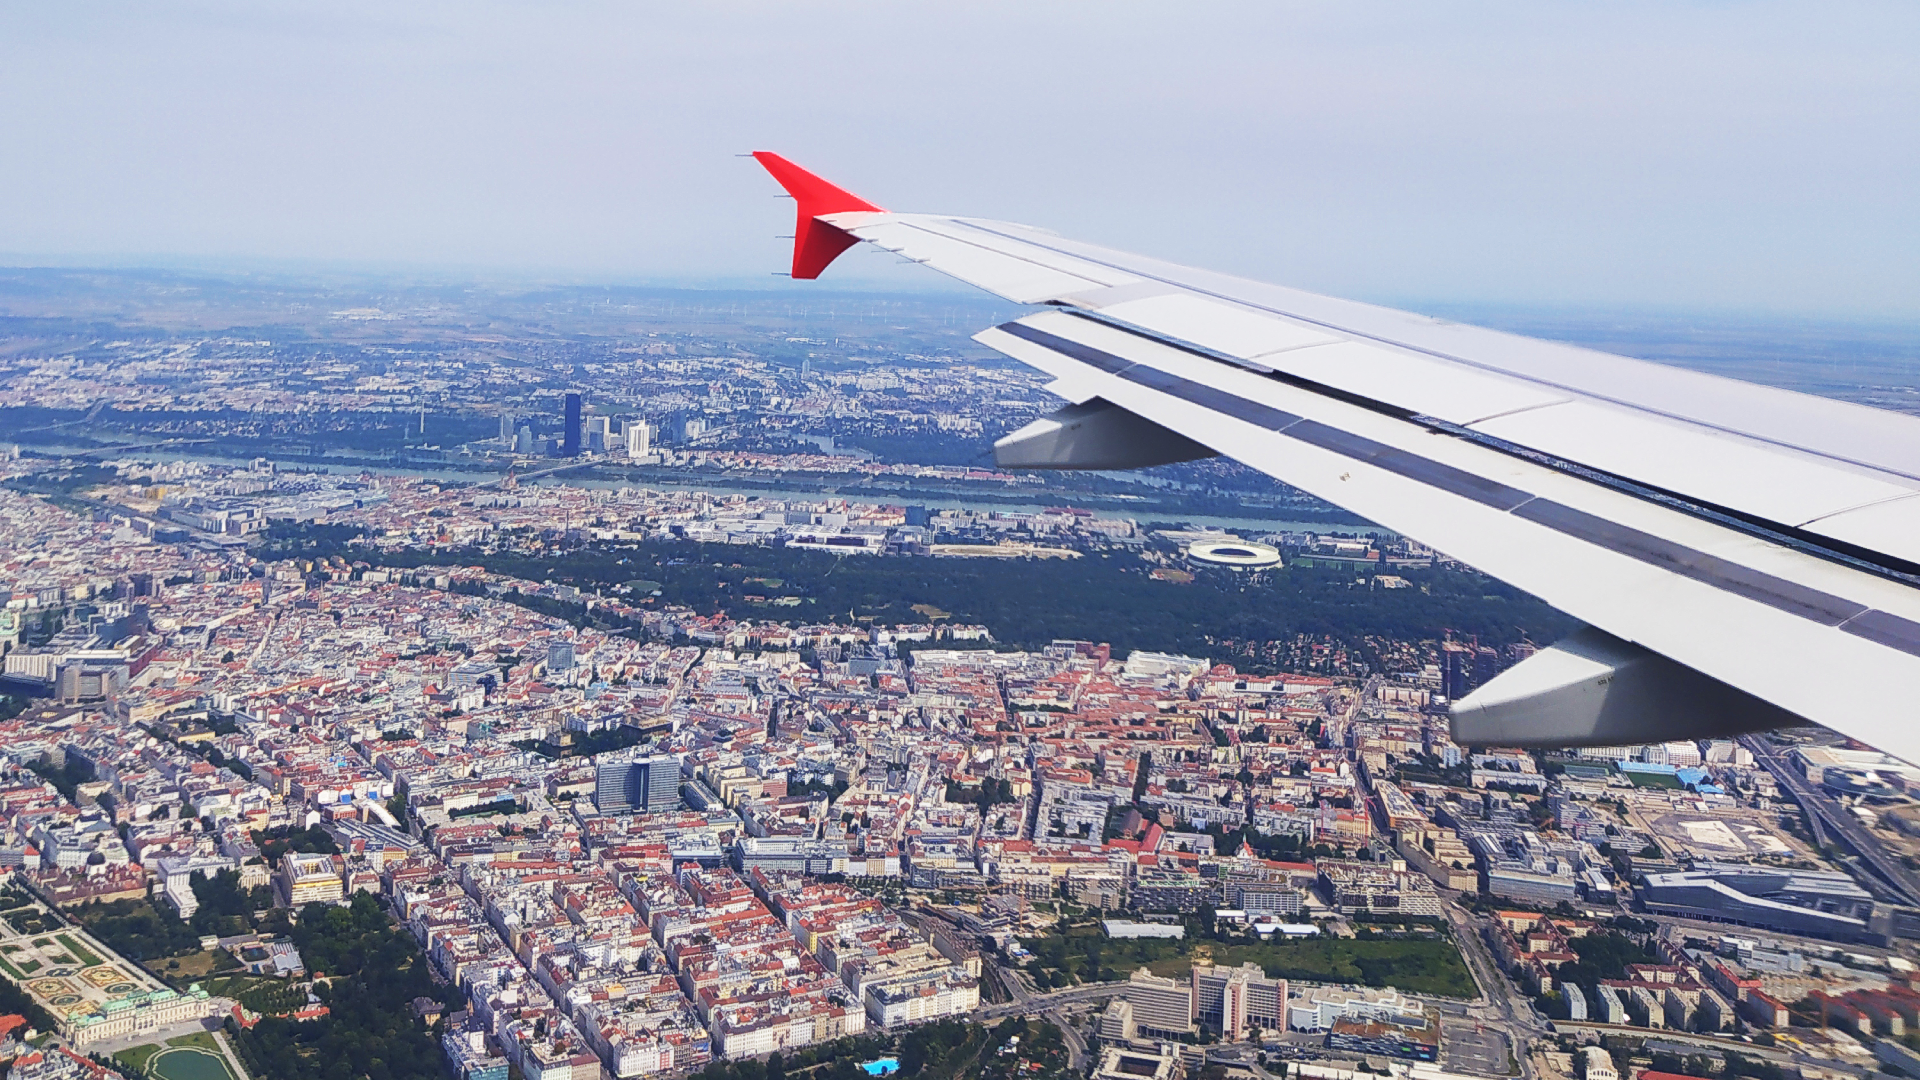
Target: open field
point(1653, 780)
point(1421, 966)
point(1424, 965)
point(196, 965)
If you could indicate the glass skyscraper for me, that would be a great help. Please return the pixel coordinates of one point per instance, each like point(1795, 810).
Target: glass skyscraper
point(570, 439)
point(627, 783)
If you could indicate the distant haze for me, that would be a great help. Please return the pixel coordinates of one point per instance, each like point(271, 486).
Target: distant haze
point(1741, 157)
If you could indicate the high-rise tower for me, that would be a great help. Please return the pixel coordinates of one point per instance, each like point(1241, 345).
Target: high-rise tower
point(570, 441)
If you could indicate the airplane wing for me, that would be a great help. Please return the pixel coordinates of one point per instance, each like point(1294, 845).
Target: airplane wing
point(1744, 557)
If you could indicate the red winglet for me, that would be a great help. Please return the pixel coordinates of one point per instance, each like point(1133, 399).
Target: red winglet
point(815, 243)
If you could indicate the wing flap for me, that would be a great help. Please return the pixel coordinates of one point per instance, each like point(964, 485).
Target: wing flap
point(1225, 328)
point(1426, 387)
point(1712, 467)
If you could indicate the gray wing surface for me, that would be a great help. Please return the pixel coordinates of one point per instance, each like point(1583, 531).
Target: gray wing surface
point(1744, 556)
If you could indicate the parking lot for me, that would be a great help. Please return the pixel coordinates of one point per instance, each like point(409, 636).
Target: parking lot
point(1467, 1047)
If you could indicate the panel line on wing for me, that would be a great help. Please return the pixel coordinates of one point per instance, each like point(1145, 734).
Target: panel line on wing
point(1724, 574)
point(1512, 412)
point(1890, 630)
point(1862, 506)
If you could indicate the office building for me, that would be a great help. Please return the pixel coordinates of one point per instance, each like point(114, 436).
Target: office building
point(629, 783)
point(506, 428)
point(1546, 881)
point(599, 432)
point(789, 854)
point(1823, 890)
point(523, 442)
point(1161, 1007)
point(639, 438)
point(1116, 1023)
point(560, 656)
point(306, 879)
point(682, 426)
point(1814, 903)
point(1236, 999)
point(570, 436)
point(87, 678)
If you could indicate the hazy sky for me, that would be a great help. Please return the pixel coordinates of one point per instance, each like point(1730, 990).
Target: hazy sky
point(1713, 155)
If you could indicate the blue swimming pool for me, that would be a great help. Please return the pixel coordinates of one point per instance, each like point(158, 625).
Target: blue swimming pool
point(882, 1066)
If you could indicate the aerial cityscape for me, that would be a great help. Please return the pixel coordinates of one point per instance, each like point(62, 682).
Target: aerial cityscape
point(821, 541)
point(671, 690)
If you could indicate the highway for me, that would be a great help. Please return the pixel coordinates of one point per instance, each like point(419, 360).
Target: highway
point(138, 446)
point(1048, 1002)
point(1027, 1003)
point(1836, 818)
point(1514, 1014)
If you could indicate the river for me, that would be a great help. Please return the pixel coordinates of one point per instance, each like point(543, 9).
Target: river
point(776, 486)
